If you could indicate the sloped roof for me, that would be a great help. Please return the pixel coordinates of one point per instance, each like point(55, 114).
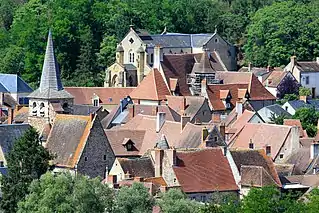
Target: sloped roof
point(153, 87)
point(255, 176)
point(177, 66)
point(107, 95)
point(253, 160)
point(162, 143)
point(68, 137)
point(275, 78)
point(138, 167)
point(14, 84)
point(278, 110)
point(9, 134)
point(306, 180)
point(204, 170)
point(170, 114)
point(215, 95)
point(50, 85)
point(242, 120)
point(261, 135)
point(308, 66)
point(295, 122)
point(256, 90)
point(116, 137)
point(2, 88)
point(301, 159)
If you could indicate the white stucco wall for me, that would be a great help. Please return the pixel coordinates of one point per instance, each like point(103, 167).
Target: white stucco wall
point(313, 81)
point(149, 102)
point(288, 108)
point(272, 90)
point(117, 170)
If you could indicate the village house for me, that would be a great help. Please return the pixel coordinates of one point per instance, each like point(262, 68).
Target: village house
point(139, 52)
point(304, 102)
point(267, 113)
point(278, 141)
point(306, 73)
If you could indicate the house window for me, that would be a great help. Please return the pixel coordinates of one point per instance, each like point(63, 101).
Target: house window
point(174, 180)
point(85, 158)
point(281, 156)
point(286, 108)
point(131, 56)
point(152, 58)
point(131, 40)
point(251, 145)
point(34, 110)
point(129, 146)
point(307, 80)
point(216, 40)
point(203, 198)
point(268, 150)
point(215, 139)
point(42, 109)
point(104, 157)
point(228, 106)
point(95, 102)
point(1, 164)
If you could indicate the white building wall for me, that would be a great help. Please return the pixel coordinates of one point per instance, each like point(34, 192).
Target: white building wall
point(313, 81)
point(117, 170)
point(272, 90)
point(149, 102)
point(289, 108)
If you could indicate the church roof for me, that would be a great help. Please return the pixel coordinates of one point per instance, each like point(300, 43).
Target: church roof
point(51, 85)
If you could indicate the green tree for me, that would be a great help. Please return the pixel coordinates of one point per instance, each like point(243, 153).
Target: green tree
point(308, 118)
point(278, 31)
point(269, 199)
point(175, 201)
point(278, 119)
point(27, 161)
point(64, 193)
point(106, 56)
point(134, 199)
point(303, 91)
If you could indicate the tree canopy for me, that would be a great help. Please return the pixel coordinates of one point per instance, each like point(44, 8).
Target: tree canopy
point(85, 32)
point(64, 193)
point(27, 161)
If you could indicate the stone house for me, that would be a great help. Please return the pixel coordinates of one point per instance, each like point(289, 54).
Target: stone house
point(80, 145)
point(306, 73)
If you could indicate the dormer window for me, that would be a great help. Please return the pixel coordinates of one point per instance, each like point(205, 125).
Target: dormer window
point(268, 150)
point(251, 144)
point(128, 144)
point(95, 100)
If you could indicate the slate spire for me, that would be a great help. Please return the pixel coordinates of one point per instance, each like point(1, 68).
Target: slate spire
point(50, 78)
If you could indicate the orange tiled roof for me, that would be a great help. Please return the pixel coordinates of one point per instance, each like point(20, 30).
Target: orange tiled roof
point(205, 170)
point(153, 87)
point(107, 95)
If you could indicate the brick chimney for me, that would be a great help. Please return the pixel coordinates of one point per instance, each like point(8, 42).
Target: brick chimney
point(204, 133)
point(160, 120)
point(157, 155)
point(184, 121)
point(303, 98)
point(249, 67)
point(10, 115)
point(203, 89)
point(216, 118)
point(293, 60)
point(131, 111)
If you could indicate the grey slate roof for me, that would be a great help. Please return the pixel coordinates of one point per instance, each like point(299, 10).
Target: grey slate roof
point(296, 104)
point(177, 40)
point(278, 110)
point(51, 84)
point(14, 84)
point(9, 134)
point(130, 67)
point(84, 109)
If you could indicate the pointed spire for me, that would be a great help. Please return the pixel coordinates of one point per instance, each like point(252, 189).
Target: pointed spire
point(50, 78)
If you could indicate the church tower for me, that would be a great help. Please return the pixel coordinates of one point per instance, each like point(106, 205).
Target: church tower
point(50, 98)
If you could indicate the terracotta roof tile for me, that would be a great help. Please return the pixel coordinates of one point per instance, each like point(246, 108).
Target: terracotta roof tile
point(223, 94)
point(173, 83)
point(204, 171)
point(153, 87)
point(242, 120)
point(254, 160)
point(107, 95)
point(156, 180)
point(261, 135)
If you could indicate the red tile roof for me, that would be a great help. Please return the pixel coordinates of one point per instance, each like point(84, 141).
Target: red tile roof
point(241, 121)
point(107, 95)
point(261, 135)
point(206, 170)
point(214, 92)
point(153, 87)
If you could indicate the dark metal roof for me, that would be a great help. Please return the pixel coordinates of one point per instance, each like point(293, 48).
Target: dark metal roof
point(278, 110)
point(9, 134)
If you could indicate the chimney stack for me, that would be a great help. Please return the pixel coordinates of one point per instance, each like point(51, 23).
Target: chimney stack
point(249, 67)
point(160, 120)
point(111, 179)
point(216, 118)
point(303, 98)
point(239, 108)
point(158, 56)
point(1, 98)
point(171, 153)
point(10, 115)
point(293, 60)
point(204, 133)
point(203, 88)
point(222, 130)
point(157, 155)
point(184, 121)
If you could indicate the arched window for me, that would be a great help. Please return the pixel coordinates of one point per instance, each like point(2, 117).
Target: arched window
point(34, 109)
point(131, 56)
point(34, 104)
point(114, 80)
point(42, 109)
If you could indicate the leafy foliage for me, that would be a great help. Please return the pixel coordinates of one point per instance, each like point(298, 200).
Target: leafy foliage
point(64, 193)
point(289, 86)
point(175, 201)
point(278, 119)
point(303, 91)
point(134, 199)
point(309, 118)
point(27, 161)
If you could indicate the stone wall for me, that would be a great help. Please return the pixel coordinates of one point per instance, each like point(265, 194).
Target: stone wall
point(97, 155)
